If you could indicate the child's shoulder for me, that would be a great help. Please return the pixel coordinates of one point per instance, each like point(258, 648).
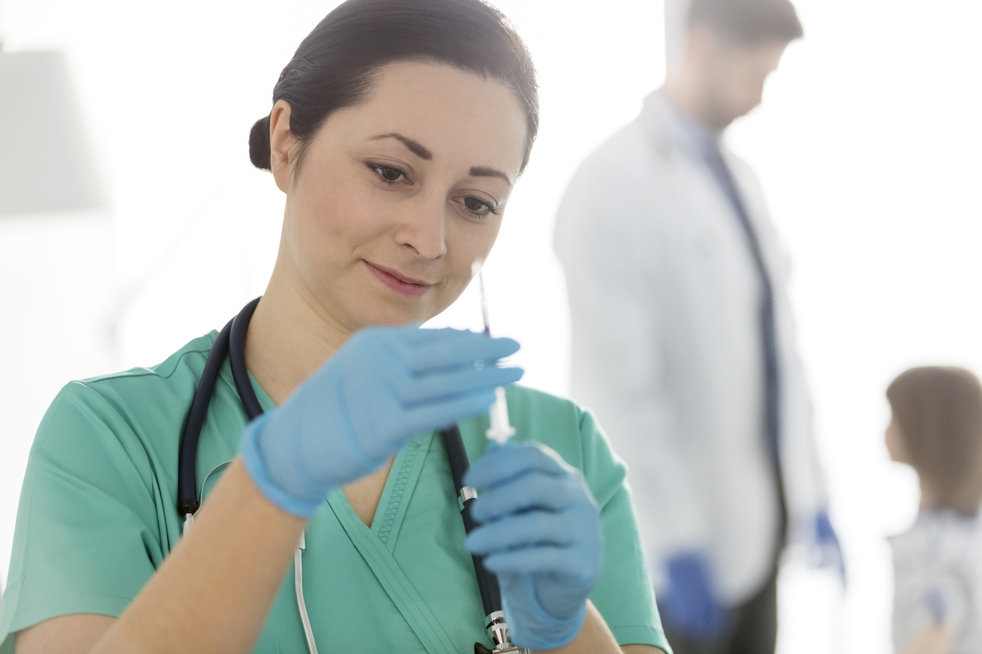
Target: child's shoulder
point(942, 537)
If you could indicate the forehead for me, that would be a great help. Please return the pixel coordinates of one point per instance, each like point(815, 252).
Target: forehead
point(459, 116)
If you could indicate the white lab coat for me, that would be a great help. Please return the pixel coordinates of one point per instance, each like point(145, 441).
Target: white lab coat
point(667, 350)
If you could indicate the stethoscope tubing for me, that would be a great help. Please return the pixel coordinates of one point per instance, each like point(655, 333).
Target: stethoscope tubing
point(236, 360)
point(187, 495)
point(486, 581)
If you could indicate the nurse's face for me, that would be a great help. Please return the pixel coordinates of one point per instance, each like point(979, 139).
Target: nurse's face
point(396, 197)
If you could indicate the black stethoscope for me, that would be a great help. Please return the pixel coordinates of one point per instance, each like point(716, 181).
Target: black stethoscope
point(231, 343)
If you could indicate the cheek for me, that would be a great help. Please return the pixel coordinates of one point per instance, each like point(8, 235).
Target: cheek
point(740, 87)
point(473, 241)
point(741, 95)
point(894, 446)
point(331, 213)
point(466, 243)
point(755, 80)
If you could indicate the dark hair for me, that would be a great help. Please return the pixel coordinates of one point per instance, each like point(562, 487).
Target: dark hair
point(335, 66)
point(939, 413)
point(747, 22)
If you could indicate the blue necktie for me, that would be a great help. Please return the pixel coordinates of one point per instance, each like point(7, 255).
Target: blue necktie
point(772, 396)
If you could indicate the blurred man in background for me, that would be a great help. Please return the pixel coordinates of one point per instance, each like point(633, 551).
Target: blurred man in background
point(683, 339)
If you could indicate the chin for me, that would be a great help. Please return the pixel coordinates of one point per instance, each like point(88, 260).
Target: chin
point(392, 316)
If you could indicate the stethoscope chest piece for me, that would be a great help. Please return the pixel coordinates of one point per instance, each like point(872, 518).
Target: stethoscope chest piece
point(500, 649)
point(497, 629)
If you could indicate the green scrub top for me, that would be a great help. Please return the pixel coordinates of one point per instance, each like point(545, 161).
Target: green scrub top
point(98, 516)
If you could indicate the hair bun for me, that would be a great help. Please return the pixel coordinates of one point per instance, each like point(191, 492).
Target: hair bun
point(259, 144)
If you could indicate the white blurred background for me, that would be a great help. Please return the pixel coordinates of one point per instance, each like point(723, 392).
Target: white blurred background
point(867, 144)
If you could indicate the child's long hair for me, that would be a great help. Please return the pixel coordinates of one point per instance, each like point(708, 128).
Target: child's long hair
point(939, 413)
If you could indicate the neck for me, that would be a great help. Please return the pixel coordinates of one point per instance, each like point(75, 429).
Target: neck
point(686, 93)
point(932, 500)
point(681, 93)
point(289, 338)
point(929, 498)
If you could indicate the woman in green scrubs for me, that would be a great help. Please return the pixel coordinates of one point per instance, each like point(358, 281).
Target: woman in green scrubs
point(397, 133)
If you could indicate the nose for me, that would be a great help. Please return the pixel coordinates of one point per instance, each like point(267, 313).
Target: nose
point(422, 227)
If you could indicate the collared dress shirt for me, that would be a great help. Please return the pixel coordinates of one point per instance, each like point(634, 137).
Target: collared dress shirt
point(665, 298)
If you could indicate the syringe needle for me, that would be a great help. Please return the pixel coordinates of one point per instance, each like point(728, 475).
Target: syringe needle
point(476, 272)
point(501, 430)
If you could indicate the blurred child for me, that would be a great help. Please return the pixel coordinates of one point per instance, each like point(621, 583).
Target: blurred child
point(937, 429)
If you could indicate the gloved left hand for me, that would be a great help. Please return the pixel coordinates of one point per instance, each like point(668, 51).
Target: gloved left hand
point(690, 603)
point(541, 535)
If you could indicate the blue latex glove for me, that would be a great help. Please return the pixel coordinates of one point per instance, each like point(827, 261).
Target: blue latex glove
point(541, 536)
point(690, 604)
point(829, 551)
point(384, 386)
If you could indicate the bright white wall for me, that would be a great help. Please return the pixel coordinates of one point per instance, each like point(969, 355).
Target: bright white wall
point(866, 145)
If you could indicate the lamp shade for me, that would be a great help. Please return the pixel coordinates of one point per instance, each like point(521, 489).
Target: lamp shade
point(46, 161)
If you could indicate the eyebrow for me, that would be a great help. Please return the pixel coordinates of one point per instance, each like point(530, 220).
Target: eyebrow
point(423, 153)
point(415, 147)
point(484, 171)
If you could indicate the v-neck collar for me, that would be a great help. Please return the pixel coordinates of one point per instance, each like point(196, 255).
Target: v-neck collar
point(377, 543)
point(399, 485)
point(398, 489)
point(392, 504)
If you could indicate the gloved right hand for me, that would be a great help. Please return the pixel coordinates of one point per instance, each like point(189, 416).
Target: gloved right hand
point(542, 536)
point(384, 386)
point(690, 604)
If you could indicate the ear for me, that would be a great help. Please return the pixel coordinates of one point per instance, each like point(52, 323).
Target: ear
point(282, 145)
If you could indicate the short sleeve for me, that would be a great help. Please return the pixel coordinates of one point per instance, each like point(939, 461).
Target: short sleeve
point(87, 536)
point(946, 600)
point(934, 580)
point(624, 594)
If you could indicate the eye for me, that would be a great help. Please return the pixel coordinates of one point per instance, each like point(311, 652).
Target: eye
point(478, 208)
point(388, 174)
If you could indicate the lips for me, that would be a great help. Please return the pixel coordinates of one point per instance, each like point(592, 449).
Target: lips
point(398, 282)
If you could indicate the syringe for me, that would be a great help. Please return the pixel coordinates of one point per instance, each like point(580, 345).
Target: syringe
point(501, 430)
